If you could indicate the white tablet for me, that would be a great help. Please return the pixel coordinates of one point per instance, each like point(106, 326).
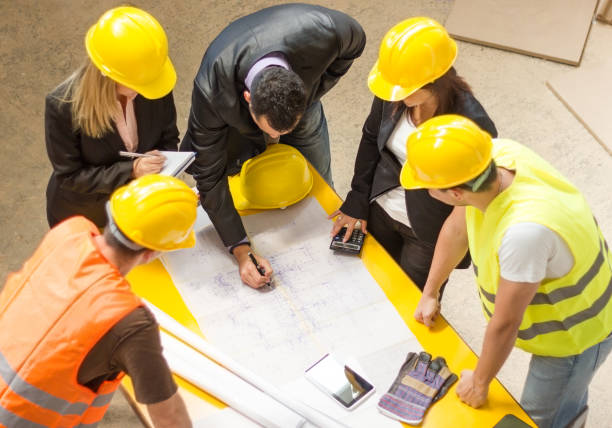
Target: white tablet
point(339, 381)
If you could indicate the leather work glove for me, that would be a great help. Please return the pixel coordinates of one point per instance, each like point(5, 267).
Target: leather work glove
point(419, 383)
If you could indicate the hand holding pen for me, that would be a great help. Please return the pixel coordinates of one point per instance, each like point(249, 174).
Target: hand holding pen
point(259, 268)
point(255, 271)
point(145, 163)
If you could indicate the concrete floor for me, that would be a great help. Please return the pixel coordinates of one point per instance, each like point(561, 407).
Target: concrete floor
point(42, 42)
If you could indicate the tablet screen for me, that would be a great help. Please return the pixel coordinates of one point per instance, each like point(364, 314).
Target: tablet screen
point(339, 381)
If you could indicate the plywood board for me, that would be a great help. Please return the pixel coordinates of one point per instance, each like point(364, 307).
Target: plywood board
point(585, 92)
point(551, 29)
point(604, 11)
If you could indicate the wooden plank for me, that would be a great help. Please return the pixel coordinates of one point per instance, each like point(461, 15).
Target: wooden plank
point(604, 11)
point(552, 29)
point(585, 92)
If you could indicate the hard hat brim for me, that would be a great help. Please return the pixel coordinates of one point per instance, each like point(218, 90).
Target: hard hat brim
point(161, 86)
point(407, 179)
point(189, 242)
point(385, 90)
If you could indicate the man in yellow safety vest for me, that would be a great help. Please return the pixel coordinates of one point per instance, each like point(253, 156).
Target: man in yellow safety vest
point(542, 265)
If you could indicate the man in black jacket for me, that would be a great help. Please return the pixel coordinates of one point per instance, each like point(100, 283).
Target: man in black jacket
point(261, 81)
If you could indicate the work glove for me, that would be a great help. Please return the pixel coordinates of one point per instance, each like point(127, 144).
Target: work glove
point(419, 383)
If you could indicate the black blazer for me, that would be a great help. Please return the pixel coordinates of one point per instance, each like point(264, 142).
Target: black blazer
point(320, 45)
point(87, 170)
point(377, 170)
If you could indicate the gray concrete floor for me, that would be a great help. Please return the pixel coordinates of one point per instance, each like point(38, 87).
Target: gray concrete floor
point(42, 42)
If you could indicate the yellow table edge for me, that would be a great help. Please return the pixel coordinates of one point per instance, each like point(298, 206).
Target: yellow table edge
point(441, 340)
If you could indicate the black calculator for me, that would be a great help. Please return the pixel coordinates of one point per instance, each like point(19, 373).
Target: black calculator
point(353, 245)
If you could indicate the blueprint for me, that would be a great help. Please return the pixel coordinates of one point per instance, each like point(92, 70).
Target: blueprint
point(320, 301)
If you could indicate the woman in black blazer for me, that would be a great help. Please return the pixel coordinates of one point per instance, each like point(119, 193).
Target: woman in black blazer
point(413, 81)
point(120, 100)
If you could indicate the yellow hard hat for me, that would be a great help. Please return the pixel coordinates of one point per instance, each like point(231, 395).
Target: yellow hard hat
point(445, 151)
point(155, 212)
point(412, 54)
point(130, 47)
point(276, 178)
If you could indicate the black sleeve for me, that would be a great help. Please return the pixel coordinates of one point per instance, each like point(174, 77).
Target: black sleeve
point(207, 136)
point(64, 150)
point(169, 138)
point(357, 201)
point(139, 354)
point(351, 40)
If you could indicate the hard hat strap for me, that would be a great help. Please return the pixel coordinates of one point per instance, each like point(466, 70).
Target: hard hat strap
point(114, 230)
point(475, 183)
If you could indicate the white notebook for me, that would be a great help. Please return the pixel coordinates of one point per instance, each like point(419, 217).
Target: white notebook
point(176, 162)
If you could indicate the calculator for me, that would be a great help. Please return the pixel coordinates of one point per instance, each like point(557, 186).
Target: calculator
point(353, 245)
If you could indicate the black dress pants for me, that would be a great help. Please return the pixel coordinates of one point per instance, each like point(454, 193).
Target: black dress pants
point(412, 254)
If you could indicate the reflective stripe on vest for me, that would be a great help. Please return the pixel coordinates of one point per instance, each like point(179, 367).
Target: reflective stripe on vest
point(35, 395)
point(567, 315)
point(10, 419)
point(103, 400)
point(80, 297)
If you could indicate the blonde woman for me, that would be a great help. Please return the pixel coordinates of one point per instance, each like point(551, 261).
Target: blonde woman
point(119, 100)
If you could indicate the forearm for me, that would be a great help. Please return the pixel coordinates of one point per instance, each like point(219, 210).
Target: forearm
point(358, 199)
point(498, 342)
point(451, 246)
point(219, 206)
point(95, 179)
point(170, 413)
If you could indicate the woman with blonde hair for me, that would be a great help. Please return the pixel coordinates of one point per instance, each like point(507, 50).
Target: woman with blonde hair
point(119, 100)
point(413, 80)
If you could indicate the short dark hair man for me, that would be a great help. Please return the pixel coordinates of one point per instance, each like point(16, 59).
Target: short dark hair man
point(542, 265)
point(71, 324)
point(261, 80)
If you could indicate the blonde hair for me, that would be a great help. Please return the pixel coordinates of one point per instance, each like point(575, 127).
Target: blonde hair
point(93, 99)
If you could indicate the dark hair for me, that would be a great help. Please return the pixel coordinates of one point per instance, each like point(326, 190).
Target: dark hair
point(118, 247)
point(448, 89)
point(487, 181)
point(279, 95)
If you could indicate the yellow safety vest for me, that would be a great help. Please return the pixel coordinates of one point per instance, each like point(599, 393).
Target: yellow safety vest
point(568, 314)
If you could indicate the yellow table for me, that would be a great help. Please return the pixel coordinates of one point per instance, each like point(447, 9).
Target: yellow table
point(154, 283)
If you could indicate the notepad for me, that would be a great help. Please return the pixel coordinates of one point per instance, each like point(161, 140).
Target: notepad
point(176, 162)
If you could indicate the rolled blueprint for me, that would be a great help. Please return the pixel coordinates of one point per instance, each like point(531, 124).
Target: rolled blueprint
point(195, 341)
point(241, 396)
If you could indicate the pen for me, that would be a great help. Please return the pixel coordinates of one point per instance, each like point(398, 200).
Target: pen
point(134, 155)
point(259, 268)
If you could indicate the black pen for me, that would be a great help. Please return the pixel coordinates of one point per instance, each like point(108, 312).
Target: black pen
point(259, 268)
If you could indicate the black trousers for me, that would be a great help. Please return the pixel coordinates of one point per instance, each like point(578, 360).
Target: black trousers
point(412, 254)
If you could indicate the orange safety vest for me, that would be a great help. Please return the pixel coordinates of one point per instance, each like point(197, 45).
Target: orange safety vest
point(52, 312)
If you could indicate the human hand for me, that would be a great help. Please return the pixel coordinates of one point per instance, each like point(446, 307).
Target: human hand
point(427, 310)
point(348, 221)
point(248, 272)
point(470, 391)
point(149, 164)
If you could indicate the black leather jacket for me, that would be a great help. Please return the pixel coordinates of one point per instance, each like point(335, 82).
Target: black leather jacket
point(320, 45)
point(377, 170)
